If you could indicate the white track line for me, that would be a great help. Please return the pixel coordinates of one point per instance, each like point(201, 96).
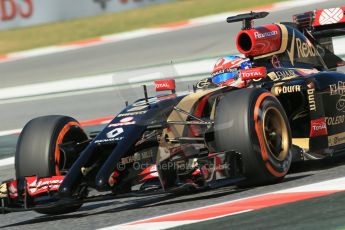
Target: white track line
point(178, 70)
point(10, 132)
point(7, 161)
point(157, 222)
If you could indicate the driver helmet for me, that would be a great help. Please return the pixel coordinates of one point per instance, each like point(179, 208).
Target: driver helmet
point(227, 70)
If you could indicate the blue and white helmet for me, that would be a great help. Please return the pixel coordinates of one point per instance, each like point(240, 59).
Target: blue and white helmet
point(227, 69)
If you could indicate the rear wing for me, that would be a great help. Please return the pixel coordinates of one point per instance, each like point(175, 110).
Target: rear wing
point(322, 25)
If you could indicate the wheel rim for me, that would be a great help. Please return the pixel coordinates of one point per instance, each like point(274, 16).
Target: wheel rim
point(60, 159)
point(275, 133)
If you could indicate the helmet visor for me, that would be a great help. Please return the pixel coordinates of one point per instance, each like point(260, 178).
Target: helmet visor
point(224, 77)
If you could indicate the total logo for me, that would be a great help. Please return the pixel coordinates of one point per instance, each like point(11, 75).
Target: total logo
point(253, 73)
point(318, 127)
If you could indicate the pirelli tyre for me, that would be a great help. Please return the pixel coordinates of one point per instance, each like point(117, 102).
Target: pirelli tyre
point(38, 151)
point(253, 123)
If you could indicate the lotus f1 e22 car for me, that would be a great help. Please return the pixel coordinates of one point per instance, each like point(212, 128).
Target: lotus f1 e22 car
point(291, 108)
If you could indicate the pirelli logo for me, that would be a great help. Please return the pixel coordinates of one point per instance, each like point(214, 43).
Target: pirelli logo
point(336, 139)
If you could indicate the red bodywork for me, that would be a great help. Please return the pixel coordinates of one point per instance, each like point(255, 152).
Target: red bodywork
point(258, 41)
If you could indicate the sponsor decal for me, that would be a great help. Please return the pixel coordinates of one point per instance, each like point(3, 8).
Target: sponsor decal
point(127, 119)
point(275, 61)
point(331, 16)
point(109, 140)
point(162, 85)
point(115, 132)
point(204, 83)
point(12, 9)
point(123, 121)
point(253, 73)
point(43, 185)
point(337, 120)
point(281, 74)
point(288, 89)
point(318, 127)
point(336, 139)
point(311, 99)
point(137, 108)
point(137, 157)
point(132, 114)
point(266, 34)
point(226, 70)
point(305, 49)
point(338, 89)
point(122, 124)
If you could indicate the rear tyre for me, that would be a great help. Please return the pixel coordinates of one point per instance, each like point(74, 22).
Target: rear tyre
point(38, 152)
point(253, 123)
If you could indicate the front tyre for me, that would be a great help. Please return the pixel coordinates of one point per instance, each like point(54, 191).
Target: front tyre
point(38, 152)
point(253, 123)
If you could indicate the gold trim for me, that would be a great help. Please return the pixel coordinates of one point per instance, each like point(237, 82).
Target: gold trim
point(273, 122)
point(301, 142)
point(186, 104)
point(3, 190)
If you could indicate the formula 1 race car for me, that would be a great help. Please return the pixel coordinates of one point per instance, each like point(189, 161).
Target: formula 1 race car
point(291, 108)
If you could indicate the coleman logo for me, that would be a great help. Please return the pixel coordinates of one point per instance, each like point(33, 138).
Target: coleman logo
point(311, 99)
point(266, 34)
point(318, 127)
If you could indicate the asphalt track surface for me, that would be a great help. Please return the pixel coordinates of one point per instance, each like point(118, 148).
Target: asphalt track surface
point(182, 44)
